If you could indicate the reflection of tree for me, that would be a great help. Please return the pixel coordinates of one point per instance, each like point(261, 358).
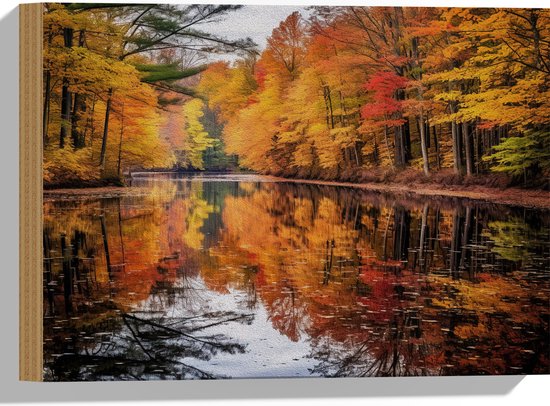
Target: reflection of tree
point(96, 338)
point(511, 239)
point(145, 347)
point(103, 262)
point(401, 234)
point(370, 279)
point(376, 286)
point(393, 349)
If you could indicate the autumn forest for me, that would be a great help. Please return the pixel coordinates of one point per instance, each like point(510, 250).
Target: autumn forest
point(253, 191)
point(356, 94)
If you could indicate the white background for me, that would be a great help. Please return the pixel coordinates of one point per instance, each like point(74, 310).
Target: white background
point(461, 391)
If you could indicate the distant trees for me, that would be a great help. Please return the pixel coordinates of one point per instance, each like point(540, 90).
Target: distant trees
point(359, 88)
point(104, 73)
point(197, 139)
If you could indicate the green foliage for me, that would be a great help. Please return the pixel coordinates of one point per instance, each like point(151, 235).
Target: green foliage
point(517, 155)
point(166, 72)
point(215, 158)
point(197, 140)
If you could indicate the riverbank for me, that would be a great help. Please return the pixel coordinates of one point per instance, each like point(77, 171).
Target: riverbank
point(539, 199)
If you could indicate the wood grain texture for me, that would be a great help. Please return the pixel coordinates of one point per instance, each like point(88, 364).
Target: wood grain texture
point(30, 192)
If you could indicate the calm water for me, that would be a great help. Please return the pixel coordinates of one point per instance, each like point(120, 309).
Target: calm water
point(237, 276)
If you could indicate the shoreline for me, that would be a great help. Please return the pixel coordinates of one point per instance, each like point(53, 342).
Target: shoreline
point(537, 199)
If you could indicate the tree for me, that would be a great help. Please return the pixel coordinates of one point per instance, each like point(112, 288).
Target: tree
point(197, 140)
point(386, 110)
point(286, 48)
point(104, 58)
point(526, 156)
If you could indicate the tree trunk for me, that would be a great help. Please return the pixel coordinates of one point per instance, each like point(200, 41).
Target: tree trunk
point(457, 163)
point(47, 94)
point(478, 151)
point(460, 147)
point(328, 107)
point(407, 141)
point(457, 142)
point(65, 94)
point(120, 141)
point(401, 134)
point(399, 146)
point(329, 100)
point(46, 110)
point(78, 106)
point(89, 123)
point(425, 156)
point(436, 145)
point(428, 141)
point(468, 148)
point(357, 160)
point(105, 130)
point(533, 20)
point(388, 145)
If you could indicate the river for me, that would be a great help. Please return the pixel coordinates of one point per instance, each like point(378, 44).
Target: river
point(220, 276)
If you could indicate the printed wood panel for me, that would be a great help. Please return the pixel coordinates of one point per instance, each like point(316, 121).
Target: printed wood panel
point(30, 192)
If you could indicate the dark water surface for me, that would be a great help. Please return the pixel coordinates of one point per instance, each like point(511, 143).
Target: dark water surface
point(237, 276)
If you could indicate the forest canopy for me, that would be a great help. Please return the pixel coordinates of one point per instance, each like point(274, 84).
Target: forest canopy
point(348, 93)
point(112, 76)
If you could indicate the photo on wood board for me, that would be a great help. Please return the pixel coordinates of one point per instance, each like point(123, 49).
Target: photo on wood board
point(225, 191)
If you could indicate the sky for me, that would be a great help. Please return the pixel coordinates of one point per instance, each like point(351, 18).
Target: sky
point(256, 22)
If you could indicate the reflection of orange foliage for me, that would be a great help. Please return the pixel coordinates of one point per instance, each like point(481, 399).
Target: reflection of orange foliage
point(225, 269)
point(146, 237)
point(287, 238)
point(323, 266)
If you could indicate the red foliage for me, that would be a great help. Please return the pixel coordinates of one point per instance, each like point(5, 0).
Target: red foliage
point(385, 83)
point(384, 86)
point(260, 74)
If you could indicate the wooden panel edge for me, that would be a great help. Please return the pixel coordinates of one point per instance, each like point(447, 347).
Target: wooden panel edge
point(30, 193)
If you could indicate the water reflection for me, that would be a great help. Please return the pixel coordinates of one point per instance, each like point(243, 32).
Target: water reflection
point(224, 277)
